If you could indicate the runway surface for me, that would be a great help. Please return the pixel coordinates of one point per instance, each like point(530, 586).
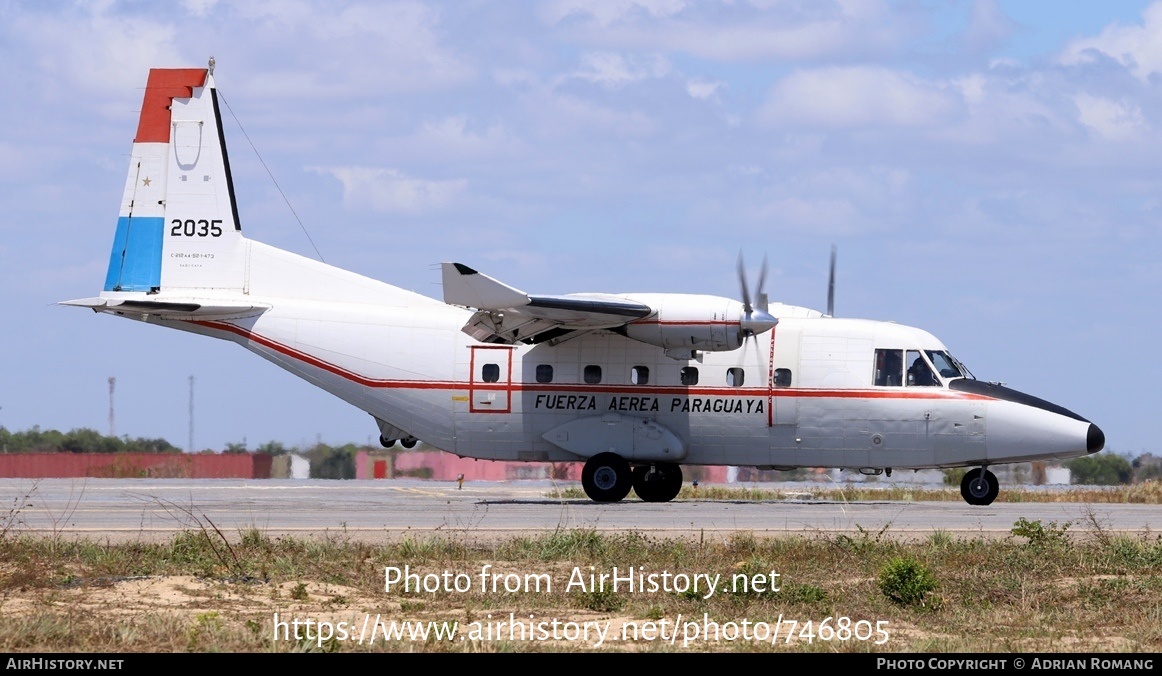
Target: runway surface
point(126, 509)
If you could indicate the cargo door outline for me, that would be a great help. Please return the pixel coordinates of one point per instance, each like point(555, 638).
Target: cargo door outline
point(490, 397)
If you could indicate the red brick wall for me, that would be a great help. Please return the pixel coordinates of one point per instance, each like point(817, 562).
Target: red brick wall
point(128, 465)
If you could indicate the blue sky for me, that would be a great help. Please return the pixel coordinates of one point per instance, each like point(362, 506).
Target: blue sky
point(988, 171)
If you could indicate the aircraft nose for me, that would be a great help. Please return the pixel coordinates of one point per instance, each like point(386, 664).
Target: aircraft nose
point(1095, 439)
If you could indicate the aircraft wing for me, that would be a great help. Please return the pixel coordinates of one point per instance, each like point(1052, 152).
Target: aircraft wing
point(508, 315)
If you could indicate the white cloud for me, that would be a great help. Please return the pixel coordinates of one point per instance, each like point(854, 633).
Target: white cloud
point(564, 113)
point(971, 87)
point(612, 70)
point(608, 12)
point(988, 26)
point(291, 47)
point(360, 49)
point(390, 190)
point(830, 215)
point(453, 139)
point(731, 31)
point(1012, 111)
point(854, 97)
point(837, 200)
point(702, 89)
point(511, 77)
point(1138, 47)
point(94, 52)
point(1113, 120)
point(454, 131)
point(199, 7)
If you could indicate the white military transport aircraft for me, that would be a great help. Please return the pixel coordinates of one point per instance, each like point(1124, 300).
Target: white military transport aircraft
point(635, 385)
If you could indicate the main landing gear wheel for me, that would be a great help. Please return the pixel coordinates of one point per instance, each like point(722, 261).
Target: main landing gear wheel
point(606, 477)
point(657, 483)
point(979, 487)
point(408, 442)
point(385, 442)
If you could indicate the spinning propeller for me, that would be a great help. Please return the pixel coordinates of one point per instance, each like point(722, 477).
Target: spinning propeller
point(831, 286)
point(754, 320)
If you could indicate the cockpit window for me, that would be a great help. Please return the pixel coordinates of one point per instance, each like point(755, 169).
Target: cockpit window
point(919, 372)
point(947, 365)
point(889, 367)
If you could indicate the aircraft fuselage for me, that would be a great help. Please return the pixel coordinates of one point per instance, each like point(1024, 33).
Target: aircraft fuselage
point(802, 395)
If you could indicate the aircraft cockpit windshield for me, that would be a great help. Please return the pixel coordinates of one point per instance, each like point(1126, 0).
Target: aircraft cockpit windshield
point(909, 368)
point(947, 365)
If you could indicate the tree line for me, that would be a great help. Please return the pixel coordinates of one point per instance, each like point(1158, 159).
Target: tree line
point(82, 440)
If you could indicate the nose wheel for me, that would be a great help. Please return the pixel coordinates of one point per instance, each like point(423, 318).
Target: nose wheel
point(606, 477)
point(979, 487)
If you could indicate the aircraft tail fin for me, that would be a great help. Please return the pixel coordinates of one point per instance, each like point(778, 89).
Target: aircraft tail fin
point(178, 227)
point(178, 252)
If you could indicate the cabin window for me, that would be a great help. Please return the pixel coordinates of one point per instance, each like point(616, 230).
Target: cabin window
point(889, 367)
point(919, 372)
point(639, 375)
point(689, 375)
point(544, 373)
point(735, 377)
point(782, 377)
point(490, 373)
point(592, 374)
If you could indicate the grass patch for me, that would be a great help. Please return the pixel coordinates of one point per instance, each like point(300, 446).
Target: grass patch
point(1041, 590)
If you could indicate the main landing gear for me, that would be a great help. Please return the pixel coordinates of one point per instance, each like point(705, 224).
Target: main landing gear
point(979, 487)
point(607, 477)
point(406, 442)
point(659, 482)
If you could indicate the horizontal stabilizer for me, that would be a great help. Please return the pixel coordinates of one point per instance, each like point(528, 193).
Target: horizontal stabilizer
point(175, 308)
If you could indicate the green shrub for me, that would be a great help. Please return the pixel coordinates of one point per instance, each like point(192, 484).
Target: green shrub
point(953, 476)
point(906, 581)
point(1041, 535)
point(1103, 469)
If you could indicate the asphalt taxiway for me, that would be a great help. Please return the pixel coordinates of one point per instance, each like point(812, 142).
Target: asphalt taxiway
point(125, 509)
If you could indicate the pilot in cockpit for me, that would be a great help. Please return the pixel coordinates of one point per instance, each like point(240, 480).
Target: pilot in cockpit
point(920, 374)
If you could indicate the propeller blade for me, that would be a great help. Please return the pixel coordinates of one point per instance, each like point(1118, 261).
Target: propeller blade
point(831, 286)
point(762, 277)
point(759, 359)
point(760, 295)
point(754, 321)
point(746, 307)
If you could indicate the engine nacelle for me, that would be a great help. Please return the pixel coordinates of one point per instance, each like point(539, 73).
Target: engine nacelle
point(687, 321)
